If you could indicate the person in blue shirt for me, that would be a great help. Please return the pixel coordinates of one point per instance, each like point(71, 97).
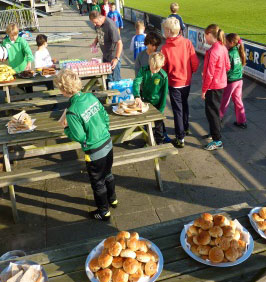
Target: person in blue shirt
point(137, 43)
point(174, 7)
point(116, 17)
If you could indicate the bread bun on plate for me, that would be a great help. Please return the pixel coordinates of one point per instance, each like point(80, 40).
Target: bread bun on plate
point(150, 268)
point(216, 255)
point(120, 276)
point(231, 254)
point(105, 260)
point(117, 262)
point(216, 231)
point(104, 275)
point(256, 217)
point(123, 235)
point(130, 265)
point(207, 216)
point(262, 225)
point(94, 265)
point(134, 235)
point(115, 249)
point(127, 253)
point(108, 241)
point(143, 257)
point(204, 238)
point(262, 212)
point(133, 244)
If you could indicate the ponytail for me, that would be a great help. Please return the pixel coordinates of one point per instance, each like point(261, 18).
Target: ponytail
point(216, 32)
point(235, 40)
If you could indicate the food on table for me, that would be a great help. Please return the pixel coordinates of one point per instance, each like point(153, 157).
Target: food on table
point(215, 238)
point(124, 257)
point(6, 73)
point(260, 219)
point(130, 108)
point(20, 122)
point(3, 53)
point(22, 273)
point(262, 212)
point(27, 74)
point(48, 71)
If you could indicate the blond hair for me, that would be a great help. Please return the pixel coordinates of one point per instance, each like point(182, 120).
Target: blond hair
point(68, 82)
point(174, 7)
point(172, 25)
point(156, 60)
point(12, 29)
point(216, 32)
point(139, 24)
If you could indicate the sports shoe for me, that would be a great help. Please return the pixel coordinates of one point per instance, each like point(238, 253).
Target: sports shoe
point(187, 132)
point(207, 136)
point(241, 125)
point(214, 145)
point(100, 215)
point(114, 204)
point(180, 143)
point(167, 139)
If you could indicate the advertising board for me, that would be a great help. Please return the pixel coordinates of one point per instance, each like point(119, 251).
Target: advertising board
point(127, 14)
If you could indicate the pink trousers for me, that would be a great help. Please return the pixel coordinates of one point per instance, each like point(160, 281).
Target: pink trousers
point(234, 90)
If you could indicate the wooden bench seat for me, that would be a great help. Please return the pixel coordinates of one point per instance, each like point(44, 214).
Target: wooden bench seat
point(65, 168)
point(47, 97)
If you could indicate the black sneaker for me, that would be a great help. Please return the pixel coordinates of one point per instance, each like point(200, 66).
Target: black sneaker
point(100, 215)
point(114, 204)
point(241, 125)
point(187, 132)
point(207, 136)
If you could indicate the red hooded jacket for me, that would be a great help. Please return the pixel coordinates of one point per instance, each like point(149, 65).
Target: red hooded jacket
point(103, 11)
point(180, 60)
point(216, 64)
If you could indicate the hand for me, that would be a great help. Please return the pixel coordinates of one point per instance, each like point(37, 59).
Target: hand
point(139, 102)
point(63, 120)
point(28, 66)
point(114, 62)
point(64, 123)
point(203, 95)
point(54, 60)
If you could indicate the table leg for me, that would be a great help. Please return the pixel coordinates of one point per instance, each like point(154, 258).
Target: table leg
point(11, 187)
point(104, 77)
point(6, 89)
point(156, 161)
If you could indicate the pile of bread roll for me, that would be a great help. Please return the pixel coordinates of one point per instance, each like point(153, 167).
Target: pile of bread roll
point(260, 219)
point(131, 108)
point(124, 258)
point(19, 122)
point(22, 273)
point(215, 238)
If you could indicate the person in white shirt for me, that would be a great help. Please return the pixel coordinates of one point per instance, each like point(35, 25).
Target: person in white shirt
point(42, 58)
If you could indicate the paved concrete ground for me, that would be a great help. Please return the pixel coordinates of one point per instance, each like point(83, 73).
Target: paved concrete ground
point(54, 212)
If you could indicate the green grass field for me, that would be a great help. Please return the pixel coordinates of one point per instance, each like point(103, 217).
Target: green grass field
point(245, 17)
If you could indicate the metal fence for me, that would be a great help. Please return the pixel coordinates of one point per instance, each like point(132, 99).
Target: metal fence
point(25, 18)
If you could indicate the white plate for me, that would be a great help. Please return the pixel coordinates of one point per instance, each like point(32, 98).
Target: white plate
point(245, 256)
point(98, 249)
point(29, 262)
point(254, 224)
point(114, 108)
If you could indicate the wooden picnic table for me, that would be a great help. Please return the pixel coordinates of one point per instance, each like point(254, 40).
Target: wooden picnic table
point(42, 79)
point(67, 263)
point(49, 127)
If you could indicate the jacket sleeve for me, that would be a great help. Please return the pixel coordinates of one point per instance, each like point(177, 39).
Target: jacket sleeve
point(105, 116)
point(193, 58)
point(137, 65)
point(137, 82)
point(165, 67)
point(227, 63)
point(121, 25)
point(75, 130)
point(131, 48)
point(27, 51)
point(209, 73)
point(164, 93)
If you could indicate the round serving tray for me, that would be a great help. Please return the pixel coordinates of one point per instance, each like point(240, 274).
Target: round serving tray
point(253, 223)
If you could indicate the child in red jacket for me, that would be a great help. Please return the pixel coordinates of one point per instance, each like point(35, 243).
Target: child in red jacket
point(216, 64)
point(180, 62)
point(105, 8)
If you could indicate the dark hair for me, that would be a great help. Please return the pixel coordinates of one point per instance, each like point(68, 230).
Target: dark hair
point(41, 39)
point(216, 32)
point(234, 39)
point(112, 4)
point(153, 39)
point(94, 15)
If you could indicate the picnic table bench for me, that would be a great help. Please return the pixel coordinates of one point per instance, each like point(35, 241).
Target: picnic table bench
point(67, 263)
point(48, 127)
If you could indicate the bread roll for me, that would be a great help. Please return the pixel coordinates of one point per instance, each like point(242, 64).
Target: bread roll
point(212, 242)
point(216, 255)
point(197, 222)
point(32, 274)
point(150, 268)
point(94, 265)
point(108, 241)
point(223, 243)
point(123, 243)
point(221, 220)
point(204, 250)
point(256, 217)
point(262, 225)
point(207, 216)
point(242, 245)
point(153, 256)
point(117, 262)
point(120, 276)
point(17, 277)
point(228, 231)
point(190, 240)
point(123, 235)
point(204, 257)
point(216, 231)
point(194, 250)
point(115, 249)
point(262, 212)
point(234, 244)
point(195, 240)
point(105, 260)
point(104, 275)
point(143, 246)
point(231, 254)
point(142, 256)
point(133, 244)
point(136, 276)
point(204, 238)
point(134, 235)
point(130, 265)
point(127, 253)
point(192, 231)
